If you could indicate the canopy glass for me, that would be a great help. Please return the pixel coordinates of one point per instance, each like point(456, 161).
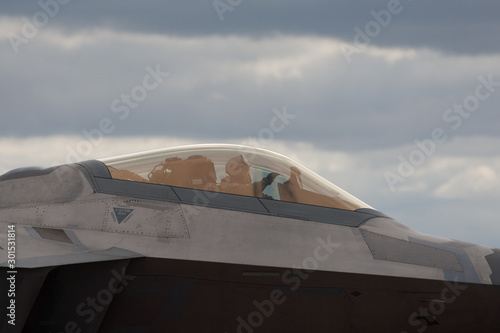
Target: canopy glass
point(232, 169)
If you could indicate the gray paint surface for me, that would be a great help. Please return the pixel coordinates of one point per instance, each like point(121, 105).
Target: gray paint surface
point(397, 250)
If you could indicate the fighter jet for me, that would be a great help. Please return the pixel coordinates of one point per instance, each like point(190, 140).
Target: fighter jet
point(224, 238)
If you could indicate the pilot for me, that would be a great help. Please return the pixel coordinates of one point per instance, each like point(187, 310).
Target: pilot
point(239, 180)
point(238, 170)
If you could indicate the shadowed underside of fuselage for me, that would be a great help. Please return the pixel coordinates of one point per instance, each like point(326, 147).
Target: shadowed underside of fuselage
point(164, 295)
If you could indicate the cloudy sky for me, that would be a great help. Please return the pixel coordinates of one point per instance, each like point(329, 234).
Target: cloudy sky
point(397, 102)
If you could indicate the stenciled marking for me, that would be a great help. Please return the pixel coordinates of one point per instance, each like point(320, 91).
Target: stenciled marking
point(121, 214)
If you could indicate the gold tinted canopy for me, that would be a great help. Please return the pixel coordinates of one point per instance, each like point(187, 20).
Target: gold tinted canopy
point(232, 169)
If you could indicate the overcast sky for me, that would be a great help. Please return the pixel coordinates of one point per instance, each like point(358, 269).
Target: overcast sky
point(395, 101)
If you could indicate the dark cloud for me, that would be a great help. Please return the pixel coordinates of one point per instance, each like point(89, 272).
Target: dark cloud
point(461, 27)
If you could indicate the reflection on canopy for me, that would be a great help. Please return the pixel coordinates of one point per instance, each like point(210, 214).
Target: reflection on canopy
point(232, 169)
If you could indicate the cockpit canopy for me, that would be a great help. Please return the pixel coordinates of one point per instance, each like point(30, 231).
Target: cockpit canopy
point(232, 169)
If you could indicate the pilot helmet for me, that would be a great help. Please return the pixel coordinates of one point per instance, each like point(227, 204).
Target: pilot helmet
point(236, 165)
